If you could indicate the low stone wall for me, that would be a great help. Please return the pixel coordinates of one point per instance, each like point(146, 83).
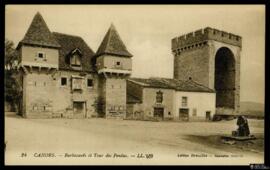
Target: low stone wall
point(36, 115)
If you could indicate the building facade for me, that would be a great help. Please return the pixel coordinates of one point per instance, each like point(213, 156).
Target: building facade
point(212, 58)
point(62, 76)
point(169, 99)
point(114, 65)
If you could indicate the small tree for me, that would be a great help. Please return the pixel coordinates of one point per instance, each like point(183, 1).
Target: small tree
point(11, 55)
point(13, 87)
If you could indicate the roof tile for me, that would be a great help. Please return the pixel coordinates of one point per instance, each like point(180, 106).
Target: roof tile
point(68, 44)
point(112, 44)
point(39, 34)
point(175, 84)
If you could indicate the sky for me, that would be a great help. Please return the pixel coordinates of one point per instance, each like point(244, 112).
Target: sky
point(147, 31)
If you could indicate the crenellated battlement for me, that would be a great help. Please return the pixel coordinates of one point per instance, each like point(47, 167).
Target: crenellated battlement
point(200, 37)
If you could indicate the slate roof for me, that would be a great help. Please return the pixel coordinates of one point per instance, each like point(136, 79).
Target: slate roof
point(166, 83)
point(39, 34)
point(132, 99)
point(68, 44)
point(112, 44)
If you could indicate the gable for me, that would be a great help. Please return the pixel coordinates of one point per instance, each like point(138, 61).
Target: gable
point(73, 44)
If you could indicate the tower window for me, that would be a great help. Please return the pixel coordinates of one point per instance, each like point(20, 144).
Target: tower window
point(89, 83)
point(41, 55)
point(63, 81)
point(118, 64)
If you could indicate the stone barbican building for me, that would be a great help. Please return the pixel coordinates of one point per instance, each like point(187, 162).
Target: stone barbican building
point(63, 77)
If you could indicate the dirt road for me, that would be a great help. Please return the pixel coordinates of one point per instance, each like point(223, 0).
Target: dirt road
point(88, 141)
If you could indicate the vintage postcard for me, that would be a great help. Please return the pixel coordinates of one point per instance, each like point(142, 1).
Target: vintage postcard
point(134, 84)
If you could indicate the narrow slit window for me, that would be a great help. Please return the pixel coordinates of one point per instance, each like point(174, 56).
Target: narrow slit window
point(89, 82)
point(63, 81)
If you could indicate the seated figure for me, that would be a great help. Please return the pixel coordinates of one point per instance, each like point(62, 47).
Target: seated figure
point(243, 129)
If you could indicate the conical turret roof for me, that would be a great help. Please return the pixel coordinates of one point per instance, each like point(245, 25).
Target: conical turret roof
point(112, 44)
point(39, 34)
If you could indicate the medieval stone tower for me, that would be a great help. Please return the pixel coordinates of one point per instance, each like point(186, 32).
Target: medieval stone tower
point(56, 74)
point(38, 59)
point(113, 64)
point(212, 58)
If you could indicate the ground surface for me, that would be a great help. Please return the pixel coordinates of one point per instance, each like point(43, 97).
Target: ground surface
point(29, 141)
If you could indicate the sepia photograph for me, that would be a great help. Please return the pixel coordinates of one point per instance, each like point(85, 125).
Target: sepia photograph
point(134, 84)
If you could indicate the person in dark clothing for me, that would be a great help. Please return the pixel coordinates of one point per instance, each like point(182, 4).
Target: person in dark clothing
point(243, 128)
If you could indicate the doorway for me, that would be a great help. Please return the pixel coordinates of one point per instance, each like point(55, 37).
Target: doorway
point(208, 115)
point(79, 109)
point(159, 112)
point(184, 114)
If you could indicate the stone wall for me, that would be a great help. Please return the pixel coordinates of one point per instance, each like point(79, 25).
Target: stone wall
point(110, 62)
point(115, 97)
point(44, 97)
point(149, 102)
point(145, 110)
point(38, 94)
point(193, 63)
point(198, 103)
point(29, 56)
point(201, 102)
point(195, 38)
point(65, 96)
point(135, 111)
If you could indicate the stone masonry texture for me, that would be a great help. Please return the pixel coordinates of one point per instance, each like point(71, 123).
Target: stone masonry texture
point(195, 57)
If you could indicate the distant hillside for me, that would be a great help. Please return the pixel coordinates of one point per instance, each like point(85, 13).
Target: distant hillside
point(245, 106)
point(252, 108)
